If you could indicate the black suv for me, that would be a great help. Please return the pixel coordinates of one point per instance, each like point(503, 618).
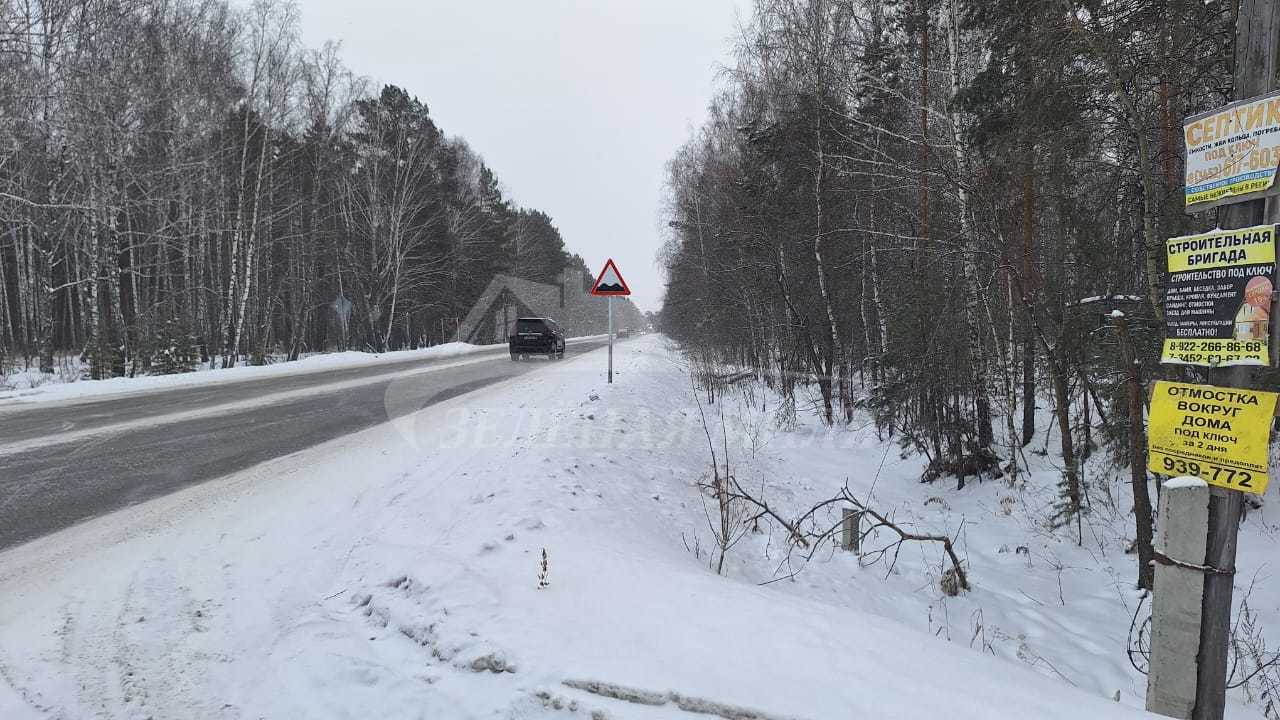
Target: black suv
point(536, 336)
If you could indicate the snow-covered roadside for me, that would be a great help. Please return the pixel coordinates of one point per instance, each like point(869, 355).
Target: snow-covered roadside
point(393, 573)
point(50, 391)
point(47, 388)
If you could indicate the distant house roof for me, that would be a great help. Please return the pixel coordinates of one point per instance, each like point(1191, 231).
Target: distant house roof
point(580, 314)
point(532, 295)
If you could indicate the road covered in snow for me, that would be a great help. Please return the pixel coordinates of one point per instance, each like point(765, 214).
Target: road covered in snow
point(81, 450)
point(397, 572)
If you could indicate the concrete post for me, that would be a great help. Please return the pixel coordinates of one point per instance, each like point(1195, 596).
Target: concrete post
point(851, 530)
point(1175, 606)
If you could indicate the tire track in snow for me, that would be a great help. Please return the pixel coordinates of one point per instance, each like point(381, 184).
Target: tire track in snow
point(22, 693)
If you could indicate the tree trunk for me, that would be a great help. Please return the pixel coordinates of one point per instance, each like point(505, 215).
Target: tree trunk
point(833, 348)
point(1070, 469)
point(1137, 456)
point(1029, 281)
point(248, 247)
point(977, 356)
point(923, 238)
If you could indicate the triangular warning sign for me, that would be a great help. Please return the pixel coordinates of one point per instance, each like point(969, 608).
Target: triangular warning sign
point(610, 281)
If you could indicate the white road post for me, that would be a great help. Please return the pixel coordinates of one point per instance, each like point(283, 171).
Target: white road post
point(610, 339)
point(1175, 607)
point(851, 530)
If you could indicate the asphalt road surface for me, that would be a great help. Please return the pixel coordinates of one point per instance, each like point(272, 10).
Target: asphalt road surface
point(66, 462)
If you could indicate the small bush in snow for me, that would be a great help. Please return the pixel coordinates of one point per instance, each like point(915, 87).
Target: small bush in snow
point(176, 350)
point(544, 571)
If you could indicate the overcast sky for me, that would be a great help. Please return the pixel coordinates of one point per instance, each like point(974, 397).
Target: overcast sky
point(576, 104)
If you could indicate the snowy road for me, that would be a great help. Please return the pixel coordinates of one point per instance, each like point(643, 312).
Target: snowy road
point(61, 463)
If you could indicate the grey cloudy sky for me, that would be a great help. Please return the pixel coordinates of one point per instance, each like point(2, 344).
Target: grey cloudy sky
point(576, 104)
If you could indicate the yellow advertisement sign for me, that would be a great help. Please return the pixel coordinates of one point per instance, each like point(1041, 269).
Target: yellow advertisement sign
point(1217, 434)
point(1222, 248)
point(1218, 297)
point(1232, 152)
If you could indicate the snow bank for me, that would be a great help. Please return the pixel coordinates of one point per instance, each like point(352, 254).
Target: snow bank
point(394, 573)
point(61, 390)
point(31, 386)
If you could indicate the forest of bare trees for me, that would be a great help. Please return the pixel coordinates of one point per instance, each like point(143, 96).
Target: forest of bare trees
point(181, 181)
point(948, 212)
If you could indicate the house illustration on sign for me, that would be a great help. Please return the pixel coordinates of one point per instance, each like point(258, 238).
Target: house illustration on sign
point(569, 303)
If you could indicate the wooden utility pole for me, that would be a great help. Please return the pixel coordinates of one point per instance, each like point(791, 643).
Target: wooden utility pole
point(1256, 72)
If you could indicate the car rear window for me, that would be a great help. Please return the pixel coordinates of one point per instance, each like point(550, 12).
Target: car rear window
point(530, 326)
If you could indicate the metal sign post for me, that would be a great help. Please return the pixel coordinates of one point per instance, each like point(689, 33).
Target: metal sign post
point(609, 283)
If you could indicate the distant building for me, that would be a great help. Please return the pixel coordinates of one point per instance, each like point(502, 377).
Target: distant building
point(569, 303)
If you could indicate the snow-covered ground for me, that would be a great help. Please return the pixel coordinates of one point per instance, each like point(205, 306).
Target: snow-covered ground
point(28, 386)
point(395, 573)
point(34, 386)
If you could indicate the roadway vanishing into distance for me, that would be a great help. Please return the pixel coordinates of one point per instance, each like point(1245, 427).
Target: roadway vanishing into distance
point(68, 461)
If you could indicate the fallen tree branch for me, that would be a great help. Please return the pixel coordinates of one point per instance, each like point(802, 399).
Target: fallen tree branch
point(961, 578)
point(954, 581)
point(735, 377)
